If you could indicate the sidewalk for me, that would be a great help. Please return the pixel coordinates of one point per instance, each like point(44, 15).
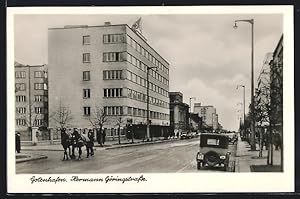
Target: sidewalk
point(248, 161)
point(108, 145)
point(24, 157)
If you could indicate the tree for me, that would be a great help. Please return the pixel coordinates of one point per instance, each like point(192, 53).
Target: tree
point(119, 121)
point(98, 118)
point(268, 106)
point(62, 116)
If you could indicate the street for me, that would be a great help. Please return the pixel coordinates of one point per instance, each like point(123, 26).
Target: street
point(170, 157)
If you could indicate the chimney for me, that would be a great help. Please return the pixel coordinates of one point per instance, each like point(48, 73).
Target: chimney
point(107, 23)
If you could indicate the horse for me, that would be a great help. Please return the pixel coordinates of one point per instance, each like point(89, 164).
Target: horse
point(66, 142)
point(77, 141)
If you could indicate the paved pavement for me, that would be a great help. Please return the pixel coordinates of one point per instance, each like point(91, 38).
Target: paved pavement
point(25, 157)
point(245, 158)
point(167, 157)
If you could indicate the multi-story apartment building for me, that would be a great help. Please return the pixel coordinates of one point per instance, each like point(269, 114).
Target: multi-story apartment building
point(31, 101)
point(207, 113)
point(276, 91)
point(179, 112)
point(106, 67)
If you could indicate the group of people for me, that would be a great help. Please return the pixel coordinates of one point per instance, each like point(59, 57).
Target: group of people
point(77, 140)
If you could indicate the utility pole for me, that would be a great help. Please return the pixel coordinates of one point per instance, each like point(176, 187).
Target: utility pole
point(190, 112)
point(252, 135)
point(244, 111)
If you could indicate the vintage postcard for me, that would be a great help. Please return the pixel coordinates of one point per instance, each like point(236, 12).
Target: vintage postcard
point(150, 99)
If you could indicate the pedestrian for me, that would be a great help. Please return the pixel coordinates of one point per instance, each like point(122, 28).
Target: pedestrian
point(90, 144)
point(98, 135)
point(18, 142)
point(103, 137)
point(277, 140)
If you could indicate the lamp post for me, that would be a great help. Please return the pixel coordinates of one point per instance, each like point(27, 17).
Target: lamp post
point(244, 115)
point(148, 121)
point(190, 112)
point(252, 137)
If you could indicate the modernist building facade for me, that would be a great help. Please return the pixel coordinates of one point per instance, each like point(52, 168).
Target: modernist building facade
point(276, 91)
point(179, 112)
point(208, 115)
point(106, 66)
point(31, 99)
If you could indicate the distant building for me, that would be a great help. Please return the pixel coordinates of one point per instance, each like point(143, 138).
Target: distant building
point(178, 112)
point(31, 97)
point(106, 67)
point(207, 113)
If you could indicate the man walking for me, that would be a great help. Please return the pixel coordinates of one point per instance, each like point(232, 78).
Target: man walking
point(90, 144)
point(18, 143)
point(103, 137)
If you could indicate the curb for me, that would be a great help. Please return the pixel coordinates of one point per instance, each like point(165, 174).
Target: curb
point(138, 144)
point(42, 150)
point(108, 147)
point(48, 149)
point(31, 159)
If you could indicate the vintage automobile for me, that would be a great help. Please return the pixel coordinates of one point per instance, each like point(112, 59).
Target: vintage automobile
point(213, 151)
point(185, 135)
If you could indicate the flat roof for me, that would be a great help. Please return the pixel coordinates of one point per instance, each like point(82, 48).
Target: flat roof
point(86, 26)
point(20, 66)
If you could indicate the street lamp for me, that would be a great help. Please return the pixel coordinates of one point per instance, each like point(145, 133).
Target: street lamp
point(190, 112)
point(148, 121)
point(252, 139)
point(244, 116)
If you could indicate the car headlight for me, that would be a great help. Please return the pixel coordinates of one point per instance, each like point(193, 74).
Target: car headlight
point(222, 157)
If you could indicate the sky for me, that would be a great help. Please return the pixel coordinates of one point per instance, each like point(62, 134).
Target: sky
point(208, 58)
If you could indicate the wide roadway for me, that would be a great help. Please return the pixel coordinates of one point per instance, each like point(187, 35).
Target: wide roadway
point(170, 157)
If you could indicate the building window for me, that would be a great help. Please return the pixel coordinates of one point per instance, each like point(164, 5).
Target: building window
point(20, 74)
point(113, 110)
point(113, 57)
point(39, 86)
point(38, 74)
point(129, 110)
point(40, 98)
point(86, 58)
point(21, 122)
point(21, 110)
point(38, 110)
point(134, 111)
point(87, 110)
point(86, 75)
point(20, 87)
point(38, 122)
point(86, 40)
point(113, 92)
point(20, 98)
point(86, 93)
point(112, 74)
point(113, 38)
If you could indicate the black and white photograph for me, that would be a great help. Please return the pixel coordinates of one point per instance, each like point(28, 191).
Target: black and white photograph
point(127, 94)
